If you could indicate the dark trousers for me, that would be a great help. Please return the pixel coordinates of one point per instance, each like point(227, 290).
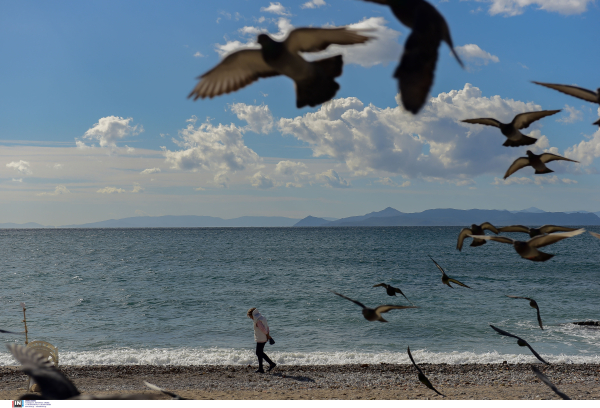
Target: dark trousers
point(261, 355)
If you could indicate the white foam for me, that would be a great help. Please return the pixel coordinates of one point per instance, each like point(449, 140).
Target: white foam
point(225, 356)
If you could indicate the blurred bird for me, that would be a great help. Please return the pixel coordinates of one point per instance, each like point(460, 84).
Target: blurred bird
point(533, 304)
point(528, 250)
point(534, 232)
point(314, 81)
point(474, 230)
point(511, 130)
point(445, 278)
point(595, 234)
point(546, 381)
point(520, 342)
point(10, 332)
point(390, 290)
point(577, 92)
point(375, 314)
point(417, 65)
point(537, 161)
point(169, 393)
point(422, 377)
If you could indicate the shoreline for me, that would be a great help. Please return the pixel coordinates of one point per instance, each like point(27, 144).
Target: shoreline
point(349, 381)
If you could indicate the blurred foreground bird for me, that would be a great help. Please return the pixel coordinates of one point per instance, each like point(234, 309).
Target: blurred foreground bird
point(537, 161)
point(474, 230)
point(169, 393)
point(422, 377)
point(314, 81)
point(528, 250)
point(445, 278)
point(577, 92)
point(534, 232)
point(520, 342)
point(511, 130)
point(10, 332)
point(390, 290)
point(594, 234)
point(546, 381)
point(375, 314)
point(533, 304)
point(417, 65)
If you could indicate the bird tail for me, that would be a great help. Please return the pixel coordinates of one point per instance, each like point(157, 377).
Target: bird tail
point(542, 257)
point(524, 141)
point(478, 242)
point(596, 122)
point(544, 171)
point(315, 91)
point(331, 67)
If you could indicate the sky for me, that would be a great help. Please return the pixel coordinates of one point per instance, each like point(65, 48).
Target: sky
point(95, 122)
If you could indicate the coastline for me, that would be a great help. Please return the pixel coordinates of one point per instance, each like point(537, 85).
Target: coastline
point(343, 382)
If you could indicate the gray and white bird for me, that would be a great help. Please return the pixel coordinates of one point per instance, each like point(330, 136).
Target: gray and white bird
point(422, 376)
point(511, 130)
point(528, 249)
point(314, 81)
point(445, 278)
point(390, 290)
point(534, 232)
point(546, 381)
point(537, 161)
point(533, 304)
point(520, 342)
point(577, 92)
point(417, 65)
point(375, 314)
point(474, 230)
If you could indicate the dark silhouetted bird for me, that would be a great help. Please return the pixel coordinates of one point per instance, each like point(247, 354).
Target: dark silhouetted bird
point(537, 161)
point(474, 230)
point(520, 342)
point(375, 314)
point(533, 304)
point(10, 332)
point(422, 377)
point(546, 381)
point(577, 92)
point(534, 232)
point(314, 80)
point(511, 130)
point(445, 278)
point(417, 65)
point(528, 250)
point(390, 290)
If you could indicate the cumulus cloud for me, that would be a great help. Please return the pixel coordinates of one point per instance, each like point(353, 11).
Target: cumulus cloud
point(574, 115)
point(331, 178)
point(275, 8)
point(22, 166)
point(111, 190)
point(313, 4)
point(20, 180)
point(109, 130)
point(151, 171)
point(60, 189)
point(516, 7)
point(475, 55)
point(386, 181)
point(284, 26)
point(538, 180)
point(258, 117)
point(261, 181)
point(137, 188)
point(586, 151)
point(198, 54)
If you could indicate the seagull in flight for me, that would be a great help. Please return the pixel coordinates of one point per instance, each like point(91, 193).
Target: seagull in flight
point(375, 314)
point(534, 232)
point(577, 92)
point(520, 342)
point(422, 376)
point(445, 278)
point(533, 304)
point(474, 230)
point(546, 381)
point(537, 161)
point(390, 290)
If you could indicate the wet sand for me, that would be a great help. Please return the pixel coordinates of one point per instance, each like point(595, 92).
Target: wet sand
point(346, 382)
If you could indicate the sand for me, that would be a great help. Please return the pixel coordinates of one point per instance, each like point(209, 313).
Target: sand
point(347, 382)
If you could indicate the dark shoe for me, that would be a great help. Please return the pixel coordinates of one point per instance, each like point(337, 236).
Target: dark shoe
point(271, 366)
point(260, 370)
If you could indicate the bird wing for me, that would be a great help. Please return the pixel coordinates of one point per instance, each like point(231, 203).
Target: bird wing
point(413, 361)
point(235, 71)
point(548, 157)
point(504, 240)
point(10, 332)
point(547, 229)
point(483, 121)
point(458, 283)
point(517, 297)
point(436, 264)
point(387, 308)
point(490, 227)
point(536, 354)
point(157, 388)
point(465, 232)
point(514, 228)
point(523, 120)
point(517, 165)
point(539, 318)
point(318, 39)
point(543, 240)
point(351, 300)
point(546, 381)
point(575, 91)
point(505, 333)
point(594, 234)
point(399, 291)
point(380, 284)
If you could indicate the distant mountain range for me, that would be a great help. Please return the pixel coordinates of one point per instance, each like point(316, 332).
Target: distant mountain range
point(387, 217)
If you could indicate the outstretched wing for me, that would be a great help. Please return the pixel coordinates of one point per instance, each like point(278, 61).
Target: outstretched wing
point(546, 381)
point(517, 297)
point(483, 121)
point(514, 228)
point(505, 333)
point(490, 227)
point(523, 120)
point(413, 361)
point(504, 240)
point(543, 240)
point(539, 318)
point(387, 308)
point(547, 229)
point(548, 157)
point(436, 264)
point(399, 291)
point(575, 91)
point(536, 354)
point(10, 332)
point(594, 234)
point(458, 283)
point(169, 393)
point(380, 284)
point(236, 71)
point(465, 232)
point(351, 300)
point(318, 39)
point(517, 165)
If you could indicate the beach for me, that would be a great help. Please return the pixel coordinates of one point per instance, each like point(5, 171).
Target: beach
point(343, 382)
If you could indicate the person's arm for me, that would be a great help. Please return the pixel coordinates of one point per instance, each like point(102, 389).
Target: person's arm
point(263, 329)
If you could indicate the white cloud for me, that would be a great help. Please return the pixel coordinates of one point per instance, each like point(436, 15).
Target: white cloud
point(574, 115)
point(81, 145)
point(137, 188)
point(586, 151)
point(60, 189)
point(109, 130)
point(261, 181)
point(151, 171)
point(57, 166)
point(258, 117)
point(472, 53)
point(313, 4)
point(275, 8)
point(516, 7)
point(20, 180)
point(22, 166)
point(232, 46)
point(332, 179)
point(538, 180)
point(111, 190)
point(198, 54)
point(251, 30)
point(386, 181)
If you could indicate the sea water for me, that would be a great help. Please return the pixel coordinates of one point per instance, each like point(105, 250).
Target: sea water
point(180, 296)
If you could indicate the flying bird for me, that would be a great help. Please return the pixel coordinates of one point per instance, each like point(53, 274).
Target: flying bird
point(390, 290)
point(534, 232)
point(528, 249)
point(422, 377)
point(10, 332)
point(546, 381)
point(511, 130)
point(169, 393)
point(533, 304)
point(520, 342)
point(577, 92)
point(314, 81)
point(537, 161)
point(417, 65)
point(445, 278)
point(594, 234)
point(474, 230)
point(375, 314)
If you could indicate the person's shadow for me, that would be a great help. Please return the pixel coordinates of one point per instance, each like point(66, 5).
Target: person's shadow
point(294, 377)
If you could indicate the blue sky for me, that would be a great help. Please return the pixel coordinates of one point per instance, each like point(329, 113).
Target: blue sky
point(95, 123)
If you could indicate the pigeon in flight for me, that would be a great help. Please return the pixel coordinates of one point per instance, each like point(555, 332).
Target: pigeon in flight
point(533, 304)
point(445, 278)
point(375, 314)
point(417, 65)
point(390, 290)
point(511, 130)
point(422, 377)
point(534, 232)
point(314, 80)
point(546, 381)
point(528, 250)
point(520, 342)
point(577, 92)
point(474, 230)
point(537, 161)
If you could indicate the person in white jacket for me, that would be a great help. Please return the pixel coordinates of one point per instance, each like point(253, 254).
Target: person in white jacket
point(261, 336)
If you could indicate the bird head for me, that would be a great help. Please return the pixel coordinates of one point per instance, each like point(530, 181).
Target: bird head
point(530, 153)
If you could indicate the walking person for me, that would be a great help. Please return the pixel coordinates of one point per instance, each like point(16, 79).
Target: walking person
point(261, 336)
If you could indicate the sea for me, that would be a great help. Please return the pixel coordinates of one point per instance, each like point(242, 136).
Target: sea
point(179, 296)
